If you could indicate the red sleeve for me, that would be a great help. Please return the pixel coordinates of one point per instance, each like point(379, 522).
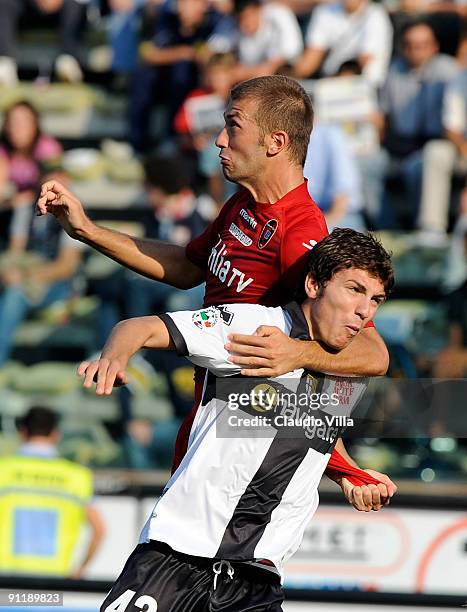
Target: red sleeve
point(301, 233)
point(339, 467)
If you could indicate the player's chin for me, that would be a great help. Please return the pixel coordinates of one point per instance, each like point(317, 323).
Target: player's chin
point(229, 175)
point(341, 342)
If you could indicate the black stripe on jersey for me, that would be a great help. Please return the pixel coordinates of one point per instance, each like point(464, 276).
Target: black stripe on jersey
point(178, 339)
point(299, 329)
point(263, 494)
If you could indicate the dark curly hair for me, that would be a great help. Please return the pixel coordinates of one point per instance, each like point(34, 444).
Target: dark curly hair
point(345, 248)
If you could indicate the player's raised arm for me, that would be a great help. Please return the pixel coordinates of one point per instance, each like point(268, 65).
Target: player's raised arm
point(270, 352)
point(126, 339)
point(153, 258)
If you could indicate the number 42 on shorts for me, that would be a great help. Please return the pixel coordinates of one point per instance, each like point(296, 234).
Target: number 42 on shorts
point(144, 602)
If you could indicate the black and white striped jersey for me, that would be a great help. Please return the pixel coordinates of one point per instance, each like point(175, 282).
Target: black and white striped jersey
point(246, 492)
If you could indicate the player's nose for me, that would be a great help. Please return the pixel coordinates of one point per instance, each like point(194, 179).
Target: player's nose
point(363, 307)
point(222, 140)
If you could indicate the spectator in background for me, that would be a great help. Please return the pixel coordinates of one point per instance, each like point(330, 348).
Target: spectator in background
point(217, 81)
point(347, 30)
point(125, 23)
point(452, 361)
point(269, 37)
point(23, 150)
point(333, 177)
point(182, 39)
point(44, 503)
point(443, 158)
point(72, 15)
point(411, 106)
point(445, 16)
point(123, 33)
point(362, 134)
point(37, 271)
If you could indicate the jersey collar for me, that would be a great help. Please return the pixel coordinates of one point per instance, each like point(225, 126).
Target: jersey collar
point(297, 194)
point(299, 328)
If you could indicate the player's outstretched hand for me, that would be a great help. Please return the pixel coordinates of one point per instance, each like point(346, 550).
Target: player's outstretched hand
point(369, 497)
point(57, 200)
point(106, 373)
point(269, 352)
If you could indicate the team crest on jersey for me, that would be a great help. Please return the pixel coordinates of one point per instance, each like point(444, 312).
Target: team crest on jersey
point(204, 319)
point(267, 233)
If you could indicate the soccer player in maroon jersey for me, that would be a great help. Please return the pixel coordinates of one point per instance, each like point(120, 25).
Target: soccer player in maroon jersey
point(253, 251)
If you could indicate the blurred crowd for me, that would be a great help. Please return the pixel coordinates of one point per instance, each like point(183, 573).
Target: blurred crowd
point(405, 64)
point(388, 150)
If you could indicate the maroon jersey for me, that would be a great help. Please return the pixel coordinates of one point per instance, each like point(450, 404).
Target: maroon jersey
point(255, 252)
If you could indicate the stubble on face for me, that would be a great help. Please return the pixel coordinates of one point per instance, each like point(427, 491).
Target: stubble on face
point(240, 144)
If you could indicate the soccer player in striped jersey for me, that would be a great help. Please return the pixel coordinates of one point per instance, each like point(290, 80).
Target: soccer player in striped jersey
point(236, 507)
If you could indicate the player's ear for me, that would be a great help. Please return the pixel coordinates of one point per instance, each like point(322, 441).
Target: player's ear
point(276, 142)
point(311, 287)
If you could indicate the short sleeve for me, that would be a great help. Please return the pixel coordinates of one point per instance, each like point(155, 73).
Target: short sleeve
point(377, 43)
point(317, 34)
point(454, 108)
point(201, 335)
point(289, 37)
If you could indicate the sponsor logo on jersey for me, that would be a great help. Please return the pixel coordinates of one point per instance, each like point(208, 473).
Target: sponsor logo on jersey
point(239, 235)
point(226, 315)
point(310, 244)
point(267, 233)
point(222, 267)
point(311, 384)
point(264, 397)
point(248, 218)
point(343, 389)
point(204, 319)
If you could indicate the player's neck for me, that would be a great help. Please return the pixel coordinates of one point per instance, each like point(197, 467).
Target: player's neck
point(306, 309)
point(273, 185)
